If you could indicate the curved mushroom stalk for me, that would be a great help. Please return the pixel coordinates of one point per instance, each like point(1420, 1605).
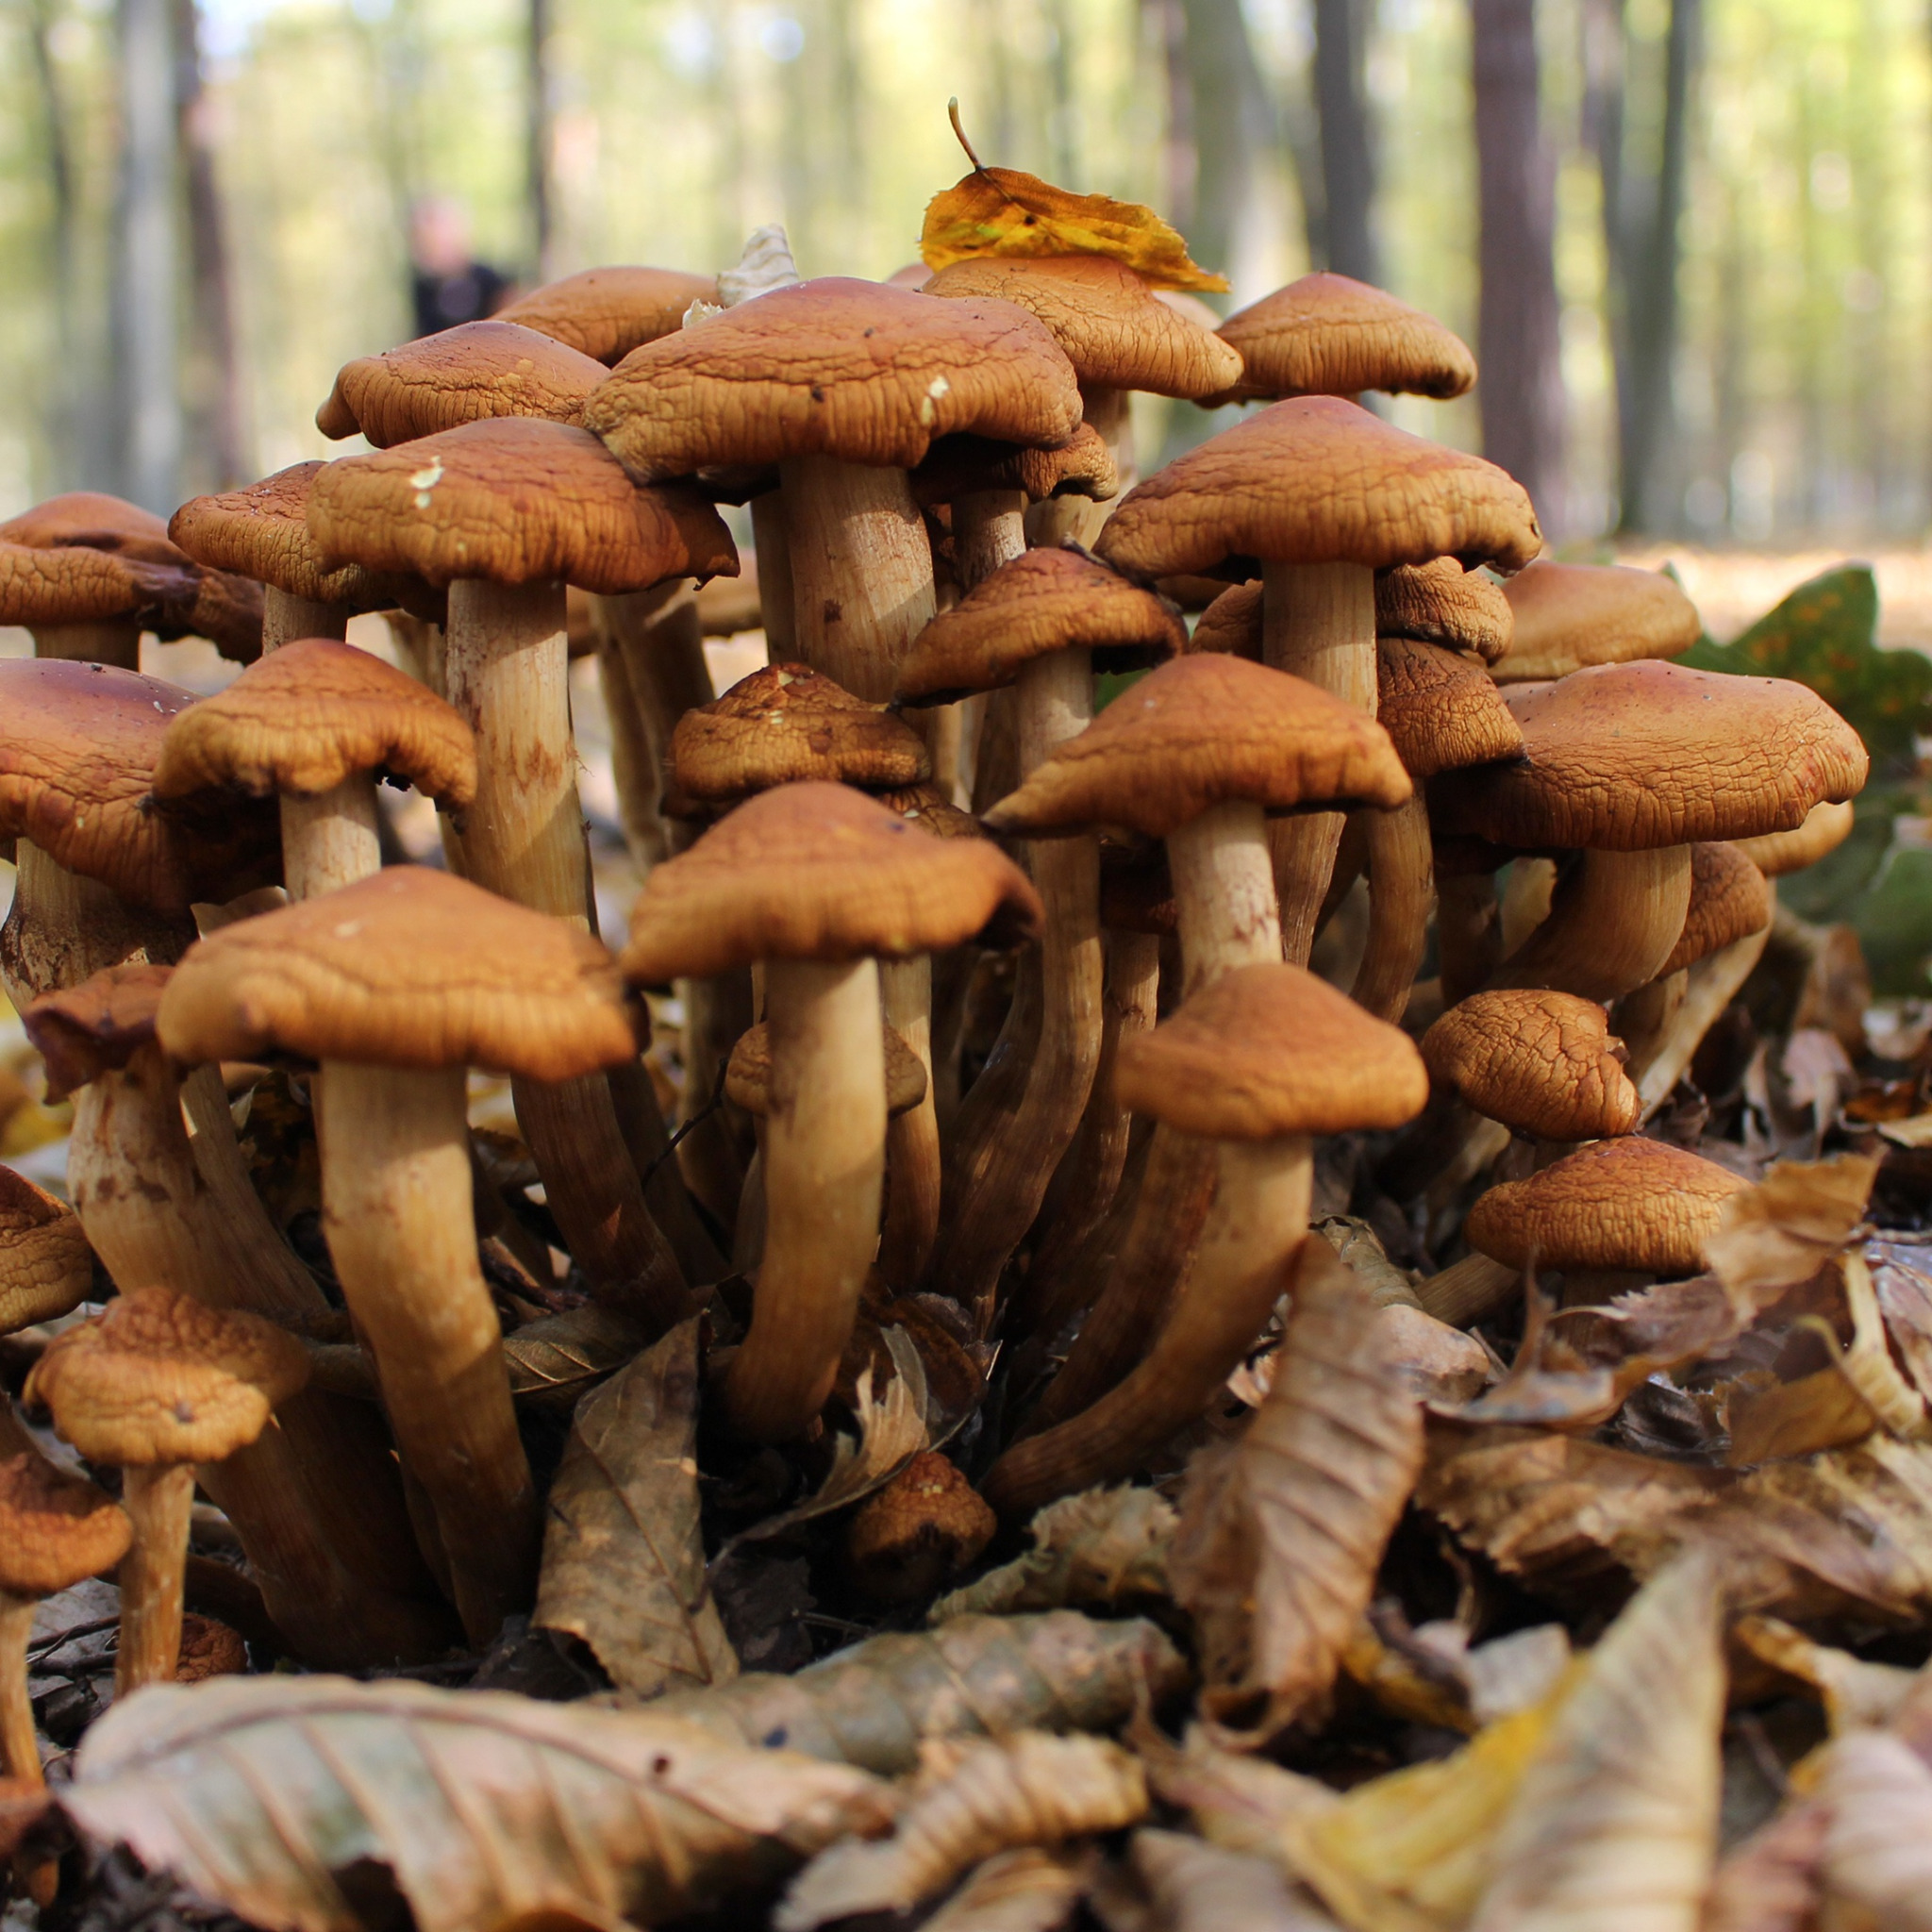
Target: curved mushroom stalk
point(396, 1207)
point(111, 641)
point(1468, 933)
point(160, 1501)
point(824, 1168)
point(1710, 986)
point(286, 617)
point(1224, 887)
point(1259, 1220)
point(912, 1138)
point(1402, 894)
point(1613, 921)
point(63, 928)
point(20, 1750)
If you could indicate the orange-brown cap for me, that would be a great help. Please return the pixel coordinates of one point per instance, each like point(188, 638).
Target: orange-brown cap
point(1113, 330)
point(1826, 828)
point(462, 374)
point(46, 1267)
point(960, 466)
point(1232, 624)
point(409, 968)
point(925, 1524)
point(748, 1074)
point(1628, 757)
point(784, 723)
point(1041, 601)
point(1197, 732)
point(1571, 615)
point(1632, 1203)
point(931, 811)
point(86, 1030)
point(1439, 708)
point(514, 501)
point(56, 1529)
point(1543, 1063)
point(161, 1378)
point(836, 367)
point(1318, 480)
point(261, 532)
point(1730, 899)
point(1327, 336)
point(1443, 604)
point(76, 771)
point(310, 715)
point(819, 872)
point(1269, 1050)
point(606, 312)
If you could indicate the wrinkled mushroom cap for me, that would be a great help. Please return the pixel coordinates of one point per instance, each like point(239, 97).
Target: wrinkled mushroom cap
point(606, 312)
point(1041, 601)
point(407, 967)
point(1318, 480)
point(56, 1529)
point(926, 1524)
point(46, 1267)
point(310, 715)
point(1629, 758)
point(462, 374)
point(1826, 828)
point(1439, 708)
point(1326, 335)
point(1197, 732)
point(1730, 899)
point(1631, 1204)
point(818, 872)
point(836, 367)
point(748, 1074)
point(1543, 1063)
point(1572, 615)
point(1443, 604)
point(76, 767)
point(514, 502)
point(1269, 1050)
point(931, 811)
point(86, 1030)
point(957, 466)
point(784, 723)
point(161, 1378)
point(1232, 624)
point(1113, 330)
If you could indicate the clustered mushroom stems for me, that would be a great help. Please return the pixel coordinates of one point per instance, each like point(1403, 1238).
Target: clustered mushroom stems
point(1613, 920)
point(1402, 893)
point(286, 617)
point(1710, 986)
point(1468, 933)
point(824, 1171)
point(912, 1138)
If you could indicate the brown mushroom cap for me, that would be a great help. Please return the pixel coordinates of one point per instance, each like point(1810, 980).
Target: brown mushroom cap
point(1318, 480)
point(1328, 336)
point(77, 768)
point(1197, 732)
point(1443, 604)
point(1729, 899)
point(1232, 624)
point(1110, 324)
point(463, 375)
point(514, 502)
point(748, 1074)
point(931, 811)
point(86, 1030)
point(836, 367)
point(93, 519)
point(606, 312)
point(1269, 1050)
point(1826, 828)
point(46, 1267)
point(1543, 1063)
point(1631, 1202)
point(1439, 708)
point(1572, 615)
point(407, 967)
point(161, 1378)
point(960, 466)
point(310, 715)
point(1044, 600)
point(784, 723)
point(926, 1524)
point(818, 872)
point(1628, 757)
point(56, 1529)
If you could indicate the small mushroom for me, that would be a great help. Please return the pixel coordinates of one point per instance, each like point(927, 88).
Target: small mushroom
point(921, 1530)
point(606, 312)
point(1543, 1063)
point(1572, 615)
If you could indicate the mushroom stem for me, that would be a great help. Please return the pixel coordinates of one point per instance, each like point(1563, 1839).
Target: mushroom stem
point(113, 640)
point(1713, 984)
point(1223, 889)
point(63, 928)
point(1642, 1018)
point(1318, 620)
point(861, 570)
point(1259, 1221)
point(286, 617)
point(1078, 519)
point(824, 1162)
point(913, 1139)
point(331, 839)
point(1613, 920)
point(1469, 1289)
point(20, 1754)
point(772, 544)
point(989, 529)
point(988, 1108)
point(158, 1499)
point(1468, 935)
point(1402, 878)
point(396, 1207)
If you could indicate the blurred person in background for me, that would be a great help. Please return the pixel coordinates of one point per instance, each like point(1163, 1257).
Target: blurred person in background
point(449, 285)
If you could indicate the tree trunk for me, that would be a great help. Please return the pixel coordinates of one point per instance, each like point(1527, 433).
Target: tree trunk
point(1232, 128)
point(61, 399)
point(1348, 171)
point(1517, 342)
point(537, 138)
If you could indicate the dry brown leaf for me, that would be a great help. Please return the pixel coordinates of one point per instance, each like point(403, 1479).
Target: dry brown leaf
point(1028, 1789)
point(1905, 1299)
point(556, 1359)
point(293, 1800)
point(1877, 1854)
point(1192, 1886)
point(1785, 1419)
point(1615, 1827)
point(1770, 1883)
point(1091, 1551)
point(1281, 1534)
point(1856, 1694)
point(623, 1563)
point(1773, 1236)
point(1433, 1675)
point(1027, 1890)
point(1440, 1363)
point(1235, 1800)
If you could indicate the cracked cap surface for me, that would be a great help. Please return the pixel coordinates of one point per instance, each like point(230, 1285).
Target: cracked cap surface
point(1543, 1063)
point(56, 1529)
point(1572, 615)
point(1730, 899)
point(606, 312)
point(957, 466)
point(1441, 709)
point(1443, 604)
point(46, 1267)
